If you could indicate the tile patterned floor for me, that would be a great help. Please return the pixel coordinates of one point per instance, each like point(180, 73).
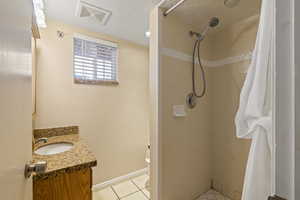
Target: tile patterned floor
point(134, 189)
point(212, 195)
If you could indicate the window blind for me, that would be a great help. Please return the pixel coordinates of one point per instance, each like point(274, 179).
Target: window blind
point(95, 61)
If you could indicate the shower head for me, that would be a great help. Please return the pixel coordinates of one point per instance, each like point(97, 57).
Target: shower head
point(231, 3)
point(214, 22)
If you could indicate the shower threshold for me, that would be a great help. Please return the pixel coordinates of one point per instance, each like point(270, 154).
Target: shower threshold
point(212, 195)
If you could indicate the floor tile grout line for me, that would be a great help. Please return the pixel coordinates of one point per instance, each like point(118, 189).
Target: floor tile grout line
point(130, 194)
point(115, 192)
point(140, 189)
point(136, 185)
point(144, 194)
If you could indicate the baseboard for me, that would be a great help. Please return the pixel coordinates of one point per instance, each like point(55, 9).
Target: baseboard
point(119, 179)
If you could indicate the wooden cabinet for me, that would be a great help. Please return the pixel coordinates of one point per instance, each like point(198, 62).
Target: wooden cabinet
point(73, 185)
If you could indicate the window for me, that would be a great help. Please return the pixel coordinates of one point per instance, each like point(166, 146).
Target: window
point(95, 61)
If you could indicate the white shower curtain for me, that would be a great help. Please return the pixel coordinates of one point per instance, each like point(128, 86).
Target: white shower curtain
point(254, 117)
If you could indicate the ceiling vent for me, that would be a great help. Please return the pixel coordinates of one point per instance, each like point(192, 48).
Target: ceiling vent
point(88, 10)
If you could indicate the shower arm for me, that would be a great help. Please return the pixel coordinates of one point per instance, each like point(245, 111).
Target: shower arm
point(167, 12)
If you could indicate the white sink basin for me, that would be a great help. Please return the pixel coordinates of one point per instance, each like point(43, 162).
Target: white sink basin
point(54, 148)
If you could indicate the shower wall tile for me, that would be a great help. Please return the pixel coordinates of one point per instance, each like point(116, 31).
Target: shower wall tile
point(203, 146)
point(186, 167)
point(229, 153)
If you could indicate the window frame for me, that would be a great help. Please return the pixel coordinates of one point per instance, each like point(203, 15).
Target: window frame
point(100, 41)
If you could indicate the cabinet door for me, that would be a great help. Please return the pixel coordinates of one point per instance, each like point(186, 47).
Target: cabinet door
point(75, 185)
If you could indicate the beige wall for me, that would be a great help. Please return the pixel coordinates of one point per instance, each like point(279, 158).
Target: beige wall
point(229, 154)
point(186, 142)
point(113, 119)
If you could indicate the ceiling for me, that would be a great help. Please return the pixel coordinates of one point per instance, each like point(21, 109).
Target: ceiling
point(129, 19)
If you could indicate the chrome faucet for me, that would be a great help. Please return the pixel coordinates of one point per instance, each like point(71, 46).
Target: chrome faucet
point(43, 139)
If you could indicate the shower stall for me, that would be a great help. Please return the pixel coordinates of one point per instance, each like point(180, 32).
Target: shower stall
point(200, 52)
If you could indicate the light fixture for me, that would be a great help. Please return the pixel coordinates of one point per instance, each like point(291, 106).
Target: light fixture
point(39, 10)
point(147, 34)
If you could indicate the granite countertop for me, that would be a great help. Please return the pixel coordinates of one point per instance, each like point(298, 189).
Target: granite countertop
point(77, 158)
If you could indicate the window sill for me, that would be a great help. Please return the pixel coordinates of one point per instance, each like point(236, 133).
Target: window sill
point(98, 82)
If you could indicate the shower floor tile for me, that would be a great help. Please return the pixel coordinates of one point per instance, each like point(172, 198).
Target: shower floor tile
point(212, 195)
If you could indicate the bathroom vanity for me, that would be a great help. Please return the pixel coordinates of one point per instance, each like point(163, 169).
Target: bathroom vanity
point(69, 165)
